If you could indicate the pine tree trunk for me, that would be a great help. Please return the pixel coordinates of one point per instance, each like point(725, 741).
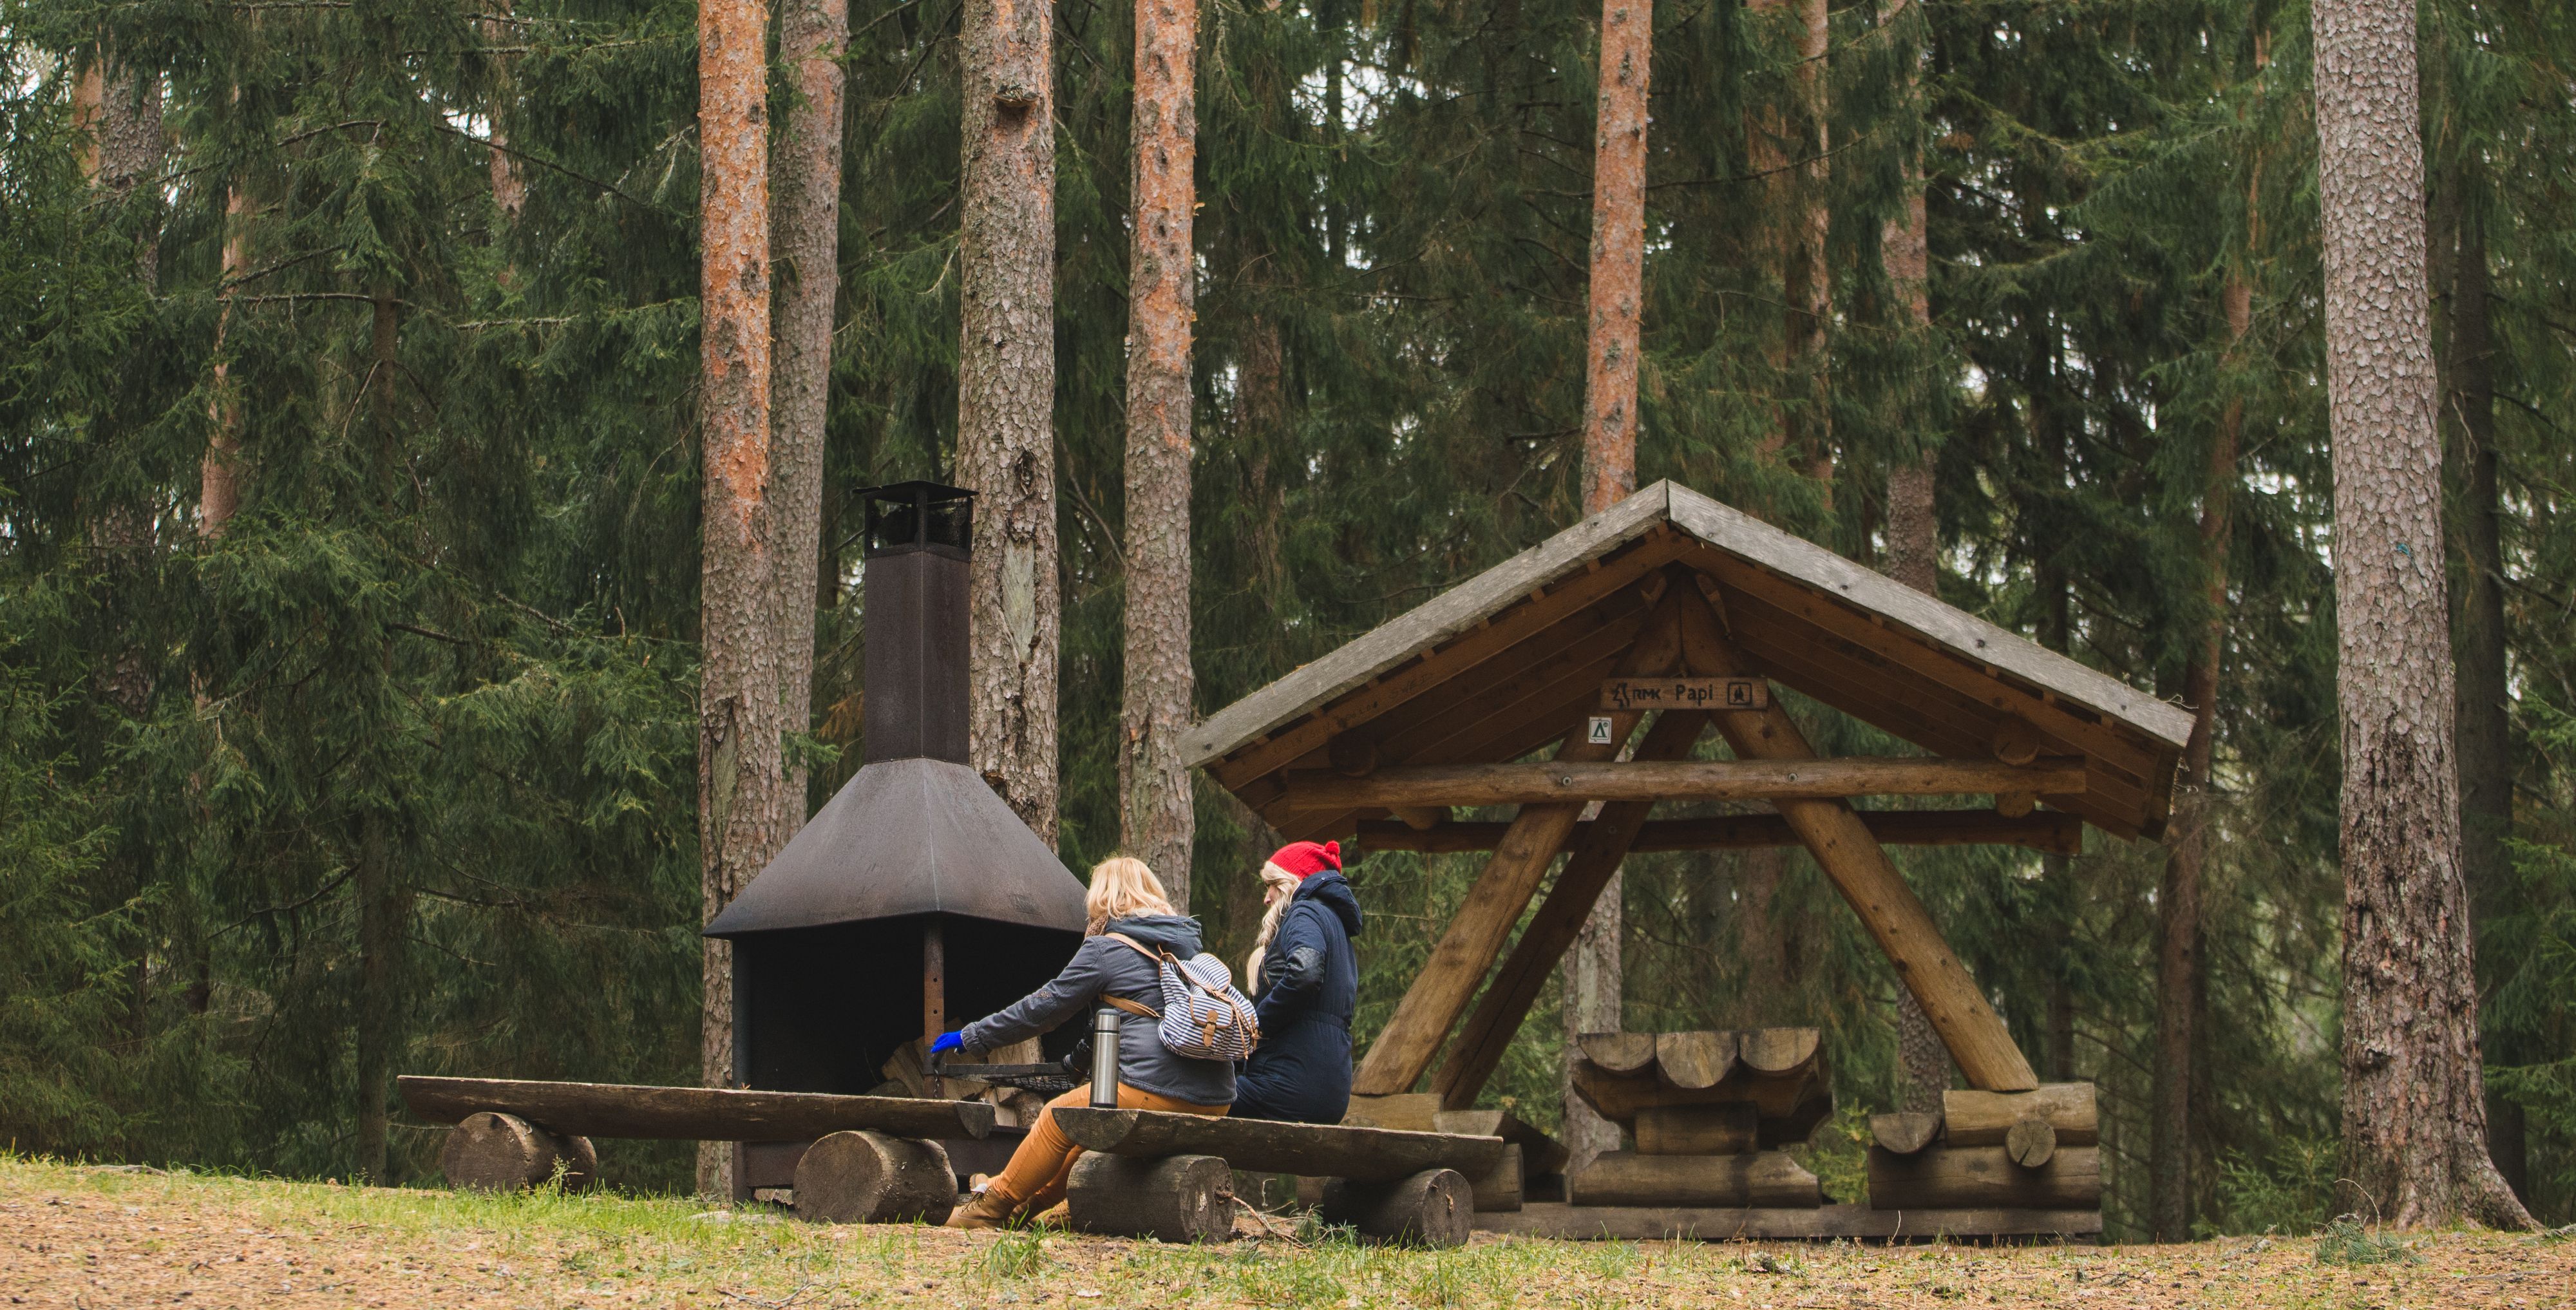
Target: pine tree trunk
point(2485, 725)
point(1592, 968)
point(1913, 558)
point(1618, 255)
point(509, 190)
point(2414, 1114)
point(1809, 278)
point(807, 238)
point(1155, 819)
point(1006, 399)
point(1264, 409)
point(740, 786)
point(2187, 850)
point(219, 475)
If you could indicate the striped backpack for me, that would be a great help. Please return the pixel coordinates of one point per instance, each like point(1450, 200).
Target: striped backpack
point(1203, 1016)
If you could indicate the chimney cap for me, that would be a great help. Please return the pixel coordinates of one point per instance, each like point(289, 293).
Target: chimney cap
point(908, 516)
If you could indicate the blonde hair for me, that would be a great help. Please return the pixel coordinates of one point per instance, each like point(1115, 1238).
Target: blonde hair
point(1121, 886)
point(1281, 886)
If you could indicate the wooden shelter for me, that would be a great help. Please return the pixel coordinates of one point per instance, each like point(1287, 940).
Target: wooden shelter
point(1672, 602)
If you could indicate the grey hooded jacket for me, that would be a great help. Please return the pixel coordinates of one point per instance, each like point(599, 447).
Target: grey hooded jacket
point(1105, 967)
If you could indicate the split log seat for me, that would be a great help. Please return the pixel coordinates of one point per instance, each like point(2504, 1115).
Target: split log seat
point(860, 1158)
point(1391, 1185)
point(1533, 1163)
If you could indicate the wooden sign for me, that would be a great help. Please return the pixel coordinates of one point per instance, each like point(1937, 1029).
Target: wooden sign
point(1686, 694)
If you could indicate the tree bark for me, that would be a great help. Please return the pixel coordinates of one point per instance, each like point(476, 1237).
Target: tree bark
point(1155, 820)
point(1809, 280)
point(740, 787)
point(2414, 1114)
point(2187, 852)
point(1006, 399)
point(509, 190)
point(807, 238)
point(1913, 554)
point(1618, 255)
point(382, 925)
point(219, 475)
point(1593, 972)
point(2485, 694)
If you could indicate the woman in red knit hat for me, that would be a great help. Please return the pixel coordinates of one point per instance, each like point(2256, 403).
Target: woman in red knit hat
point(1305, 981)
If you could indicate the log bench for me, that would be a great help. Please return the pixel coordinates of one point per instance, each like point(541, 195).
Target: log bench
point(1149, 1173)
point(854, 1159)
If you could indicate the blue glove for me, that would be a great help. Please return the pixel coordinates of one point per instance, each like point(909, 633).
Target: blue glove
point(947, 1042)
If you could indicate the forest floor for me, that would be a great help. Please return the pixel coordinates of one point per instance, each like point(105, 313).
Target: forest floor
point(100, 1237)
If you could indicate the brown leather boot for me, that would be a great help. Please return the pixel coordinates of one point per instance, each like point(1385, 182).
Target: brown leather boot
point(989, 1209)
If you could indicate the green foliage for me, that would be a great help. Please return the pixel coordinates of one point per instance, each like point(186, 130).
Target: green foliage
point(1018, 1253)
point(2290, 1189)
point(2348, 1241)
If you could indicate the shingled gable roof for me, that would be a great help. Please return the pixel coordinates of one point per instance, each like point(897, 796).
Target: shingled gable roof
point(1504, 663)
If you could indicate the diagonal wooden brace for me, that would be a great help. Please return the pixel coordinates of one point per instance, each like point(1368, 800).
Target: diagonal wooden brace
point(1596, 856)
point(1475, 936)
point(1860, 870)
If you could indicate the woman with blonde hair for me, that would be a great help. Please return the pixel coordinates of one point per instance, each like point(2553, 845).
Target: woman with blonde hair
point(1131, 920)
point(1306, 981)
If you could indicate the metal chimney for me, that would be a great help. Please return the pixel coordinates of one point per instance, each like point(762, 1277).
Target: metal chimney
point(841, 943)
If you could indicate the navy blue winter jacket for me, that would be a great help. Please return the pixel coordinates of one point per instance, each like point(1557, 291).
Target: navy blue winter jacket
point(1310, 983)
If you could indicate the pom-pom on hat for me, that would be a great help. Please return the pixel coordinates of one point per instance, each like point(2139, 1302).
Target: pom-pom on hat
point(1306, 859)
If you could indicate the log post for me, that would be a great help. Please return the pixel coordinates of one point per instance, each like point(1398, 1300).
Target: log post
point(870, 1178)
point(1987, 1118)
point(1499, 1188)
point(1725, 1128)
point(1904, 1132)
point(1619, 1052)
point(1692, 1061)
point(1498, 1014)
point(1173, 1198)
point(1475, 936)
point(490, 1152)
point(1434, 1208)
point(1760, 1179)
point(2030, 1143)
point(1969, 1027)
point(1984, 1177)
point(1781, 1052)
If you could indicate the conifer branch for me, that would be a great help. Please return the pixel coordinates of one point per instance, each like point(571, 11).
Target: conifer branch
point(542, 162)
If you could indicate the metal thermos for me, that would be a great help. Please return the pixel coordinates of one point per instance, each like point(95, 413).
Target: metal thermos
point(1104, 1059)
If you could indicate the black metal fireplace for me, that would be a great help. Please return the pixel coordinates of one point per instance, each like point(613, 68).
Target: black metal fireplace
point(843, 945)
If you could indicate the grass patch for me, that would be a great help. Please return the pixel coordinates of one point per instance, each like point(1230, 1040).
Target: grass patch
point(2346, 1241)
point(1017, 1253)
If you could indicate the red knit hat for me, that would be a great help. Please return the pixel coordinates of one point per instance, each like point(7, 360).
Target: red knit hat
point(1306, 859)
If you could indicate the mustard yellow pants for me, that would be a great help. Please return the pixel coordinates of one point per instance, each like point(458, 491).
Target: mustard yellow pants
point(1036, 1176)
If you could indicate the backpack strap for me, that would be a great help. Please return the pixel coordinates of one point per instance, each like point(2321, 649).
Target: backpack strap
point(1138, 1008)
point(1136, 946)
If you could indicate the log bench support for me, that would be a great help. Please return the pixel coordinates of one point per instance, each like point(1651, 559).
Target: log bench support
point(1149, 1173)
point(1434, 1208)
point(871, 1178)
point(490, 1152)
point(1172, 1198)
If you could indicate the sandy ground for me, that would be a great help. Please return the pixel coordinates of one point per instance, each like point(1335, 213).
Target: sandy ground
point(93, 1238)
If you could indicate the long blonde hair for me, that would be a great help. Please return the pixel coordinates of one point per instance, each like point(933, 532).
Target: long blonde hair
point(1281, 887)
point(1122, 886)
